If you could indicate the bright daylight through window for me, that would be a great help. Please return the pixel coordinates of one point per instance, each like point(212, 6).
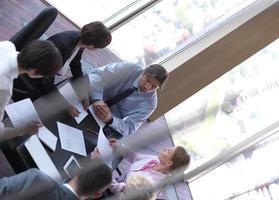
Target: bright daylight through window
point(161, 30)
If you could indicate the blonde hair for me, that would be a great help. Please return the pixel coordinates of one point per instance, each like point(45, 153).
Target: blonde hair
point(136, 187)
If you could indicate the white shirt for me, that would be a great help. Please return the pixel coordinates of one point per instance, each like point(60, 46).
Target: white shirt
point(70, 188)
point(8, 72)
point(64, 73)
point(137, 161)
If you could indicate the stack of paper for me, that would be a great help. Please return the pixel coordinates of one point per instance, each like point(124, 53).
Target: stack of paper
point(23, 112)
point(69, 94)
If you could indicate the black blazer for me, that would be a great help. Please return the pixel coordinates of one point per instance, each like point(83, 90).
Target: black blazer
point(26, 87)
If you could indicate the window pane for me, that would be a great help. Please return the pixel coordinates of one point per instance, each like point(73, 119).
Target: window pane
point(229, 110)
point(168, 26)
point(84, 11)
point(252, 175)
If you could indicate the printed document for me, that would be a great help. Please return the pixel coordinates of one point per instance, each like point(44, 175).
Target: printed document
point(104, 148)
point(71, 139)
point(99, 122)
point(23, 112)
point(69, 94)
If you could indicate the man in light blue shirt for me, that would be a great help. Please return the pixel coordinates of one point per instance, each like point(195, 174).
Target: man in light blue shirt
point(126, 115)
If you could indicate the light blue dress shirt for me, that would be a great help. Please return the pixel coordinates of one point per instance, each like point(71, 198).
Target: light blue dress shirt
point(129, 113)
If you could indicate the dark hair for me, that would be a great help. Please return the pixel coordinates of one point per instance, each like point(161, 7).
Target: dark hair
point(180, 159)
point(41, 55)
point(158, 72)
point(93, 178)
point(95, 33)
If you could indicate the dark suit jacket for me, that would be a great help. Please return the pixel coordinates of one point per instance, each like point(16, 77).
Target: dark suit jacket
point(26, 87)
point(33, 185)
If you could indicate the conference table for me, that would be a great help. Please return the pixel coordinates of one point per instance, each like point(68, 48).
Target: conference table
point(20, 158)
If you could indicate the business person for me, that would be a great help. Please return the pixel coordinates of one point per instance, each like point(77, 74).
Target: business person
point(34, 184)
point(37, 59)
point(71, 45)
point(156, 167)
point(124, 95)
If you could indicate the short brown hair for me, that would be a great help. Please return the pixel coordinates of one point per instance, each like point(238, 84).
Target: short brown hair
point(158, 72)
point(41, 55)
point(96, 34)
point(180, 159)
point(93, 178)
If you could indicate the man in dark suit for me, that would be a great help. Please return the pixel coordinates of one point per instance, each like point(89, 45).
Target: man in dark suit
point(34, 184)
point(71, 45)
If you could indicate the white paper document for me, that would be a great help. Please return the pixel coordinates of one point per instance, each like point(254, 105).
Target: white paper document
point(69, 94)
point(71, 139)
point(23, 112)
point(99, 122)
point(41, 158)
point(104, 148)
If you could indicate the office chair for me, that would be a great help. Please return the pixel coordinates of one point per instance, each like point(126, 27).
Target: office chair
point(33, 30)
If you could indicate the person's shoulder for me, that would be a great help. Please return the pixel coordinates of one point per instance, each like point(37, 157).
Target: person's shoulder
point(7, 45)
point(67, 34)
point(129, 67)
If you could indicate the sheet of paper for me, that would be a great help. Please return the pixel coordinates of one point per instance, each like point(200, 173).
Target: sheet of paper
point(71, 139)
point(41, 158)
point(69, 94)
point(47, 138)
point(99, 122)
point(23, 112)
point(104, 148)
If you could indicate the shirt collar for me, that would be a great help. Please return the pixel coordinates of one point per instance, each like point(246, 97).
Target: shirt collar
point(70, 188)
point(136, 82)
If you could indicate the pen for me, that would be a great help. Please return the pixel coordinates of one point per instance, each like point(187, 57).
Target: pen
point(90, 130)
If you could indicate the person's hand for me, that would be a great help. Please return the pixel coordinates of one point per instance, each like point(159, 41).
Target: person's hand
point(114, 143)
point(123, 189)
point(102, 111)
point(32, 128)
point(73, 112)
point(85, 104)
point(95, 154)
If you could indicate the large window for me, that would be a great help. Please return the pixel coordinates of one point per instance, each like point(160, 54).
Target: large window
point(250, 176)
point(158, 32)
point(229, 110)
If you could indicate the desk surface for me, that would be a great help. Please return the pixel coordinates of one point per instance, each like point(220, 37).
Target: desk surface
point(60, 156)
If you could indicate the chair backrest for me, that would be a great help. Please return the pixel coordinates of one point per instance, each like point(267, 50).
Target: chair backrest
point(35, 28)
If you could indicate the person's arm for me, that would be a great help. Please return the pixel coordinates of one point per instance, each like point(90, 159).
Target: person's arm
point(75, 65)
point(116, 186)
point(107, 76)
point(129, 124)
point(24, 184)
point(124, 150)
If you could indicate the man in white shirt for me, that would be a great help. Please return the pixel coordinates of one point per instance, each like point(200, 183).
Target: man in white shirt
point(37, 59)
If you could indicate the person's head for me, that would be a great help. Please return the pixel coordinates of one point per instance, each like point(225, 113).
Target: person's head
point(39, 58)
point(137, 186)
point(154, 77)
point(174, 159)
point(95, 35)
point(94, 178)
